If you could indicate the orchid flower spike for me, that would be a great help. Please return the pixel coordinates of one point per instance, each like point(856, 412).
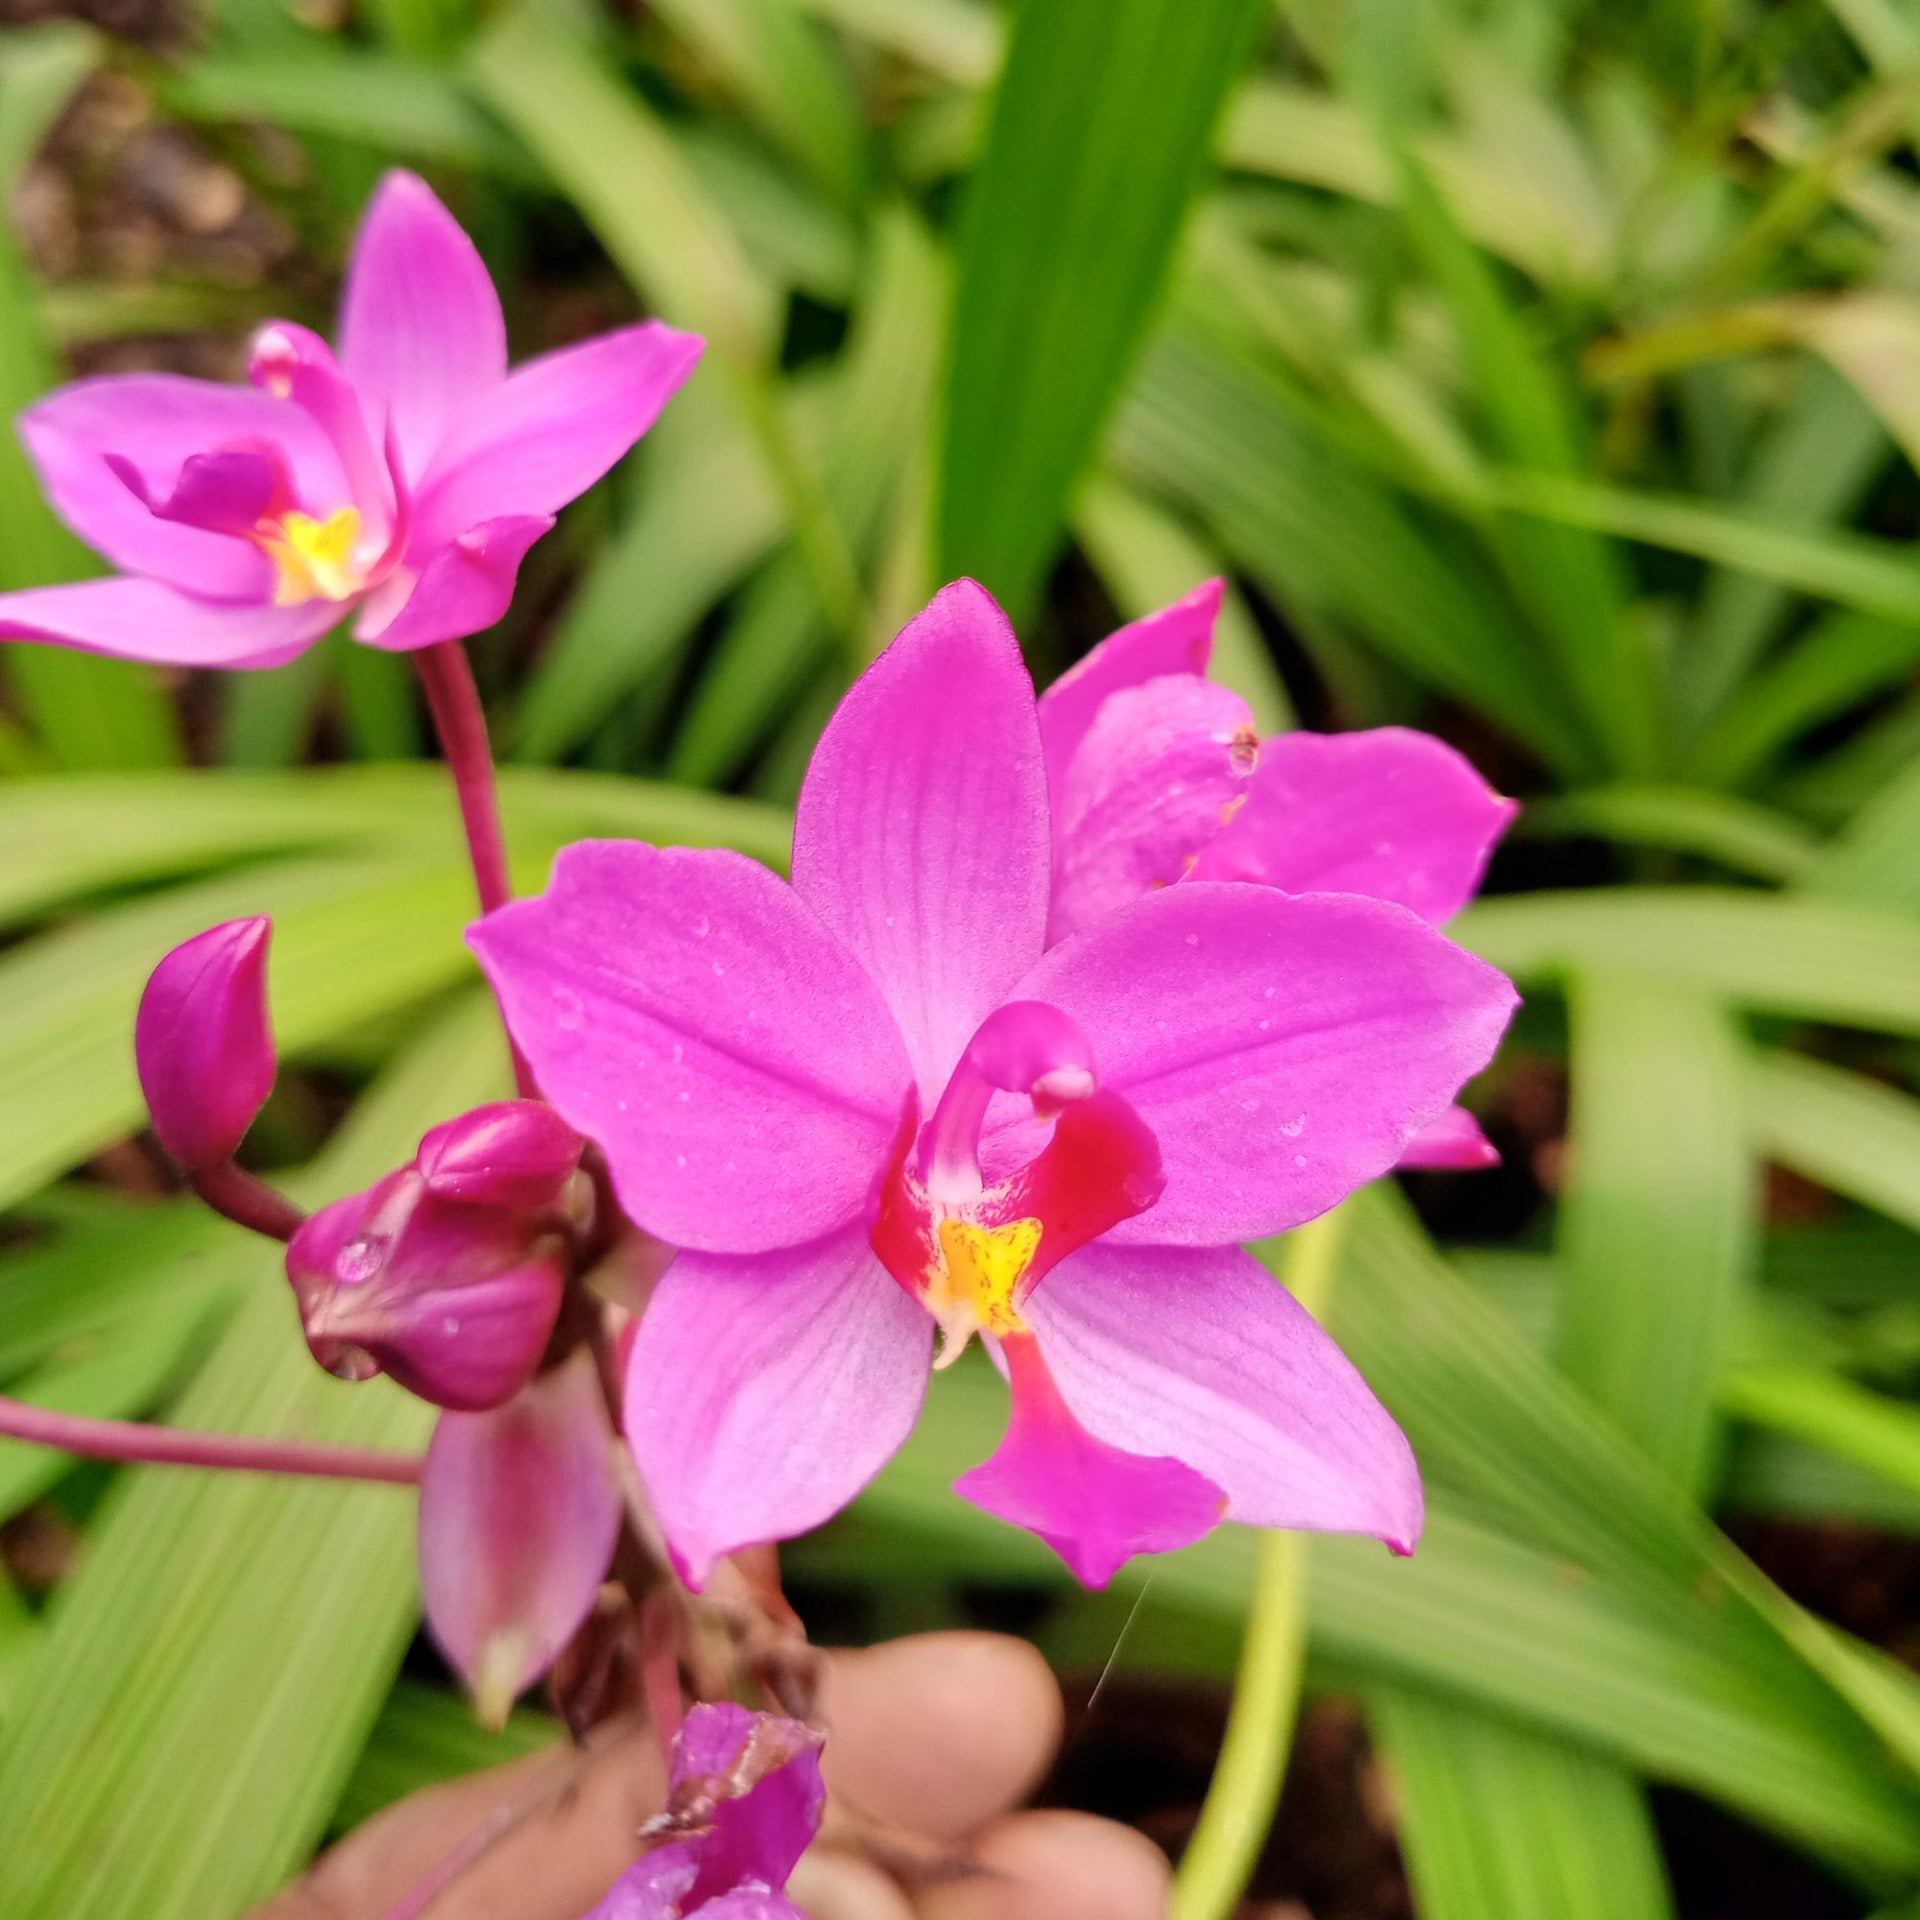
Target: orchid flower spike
point(203, 1044)
point(875, 1103)
point(743, 1801)
point(402, 480)
point(1156, 776)
point(448, 1273)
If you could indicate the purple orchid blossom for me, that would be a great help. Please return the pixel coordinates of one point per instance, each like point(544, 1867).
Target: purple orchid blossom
point(744, 1800)
point(404, 479)
point(1157, 776)
point(877, 1101)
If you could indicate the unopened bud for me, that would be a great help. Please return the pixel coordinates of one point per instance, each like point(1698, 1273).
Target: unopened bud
point(515, 1153)
point(519, 1511)
point(202, 1042)
point(453, 1297)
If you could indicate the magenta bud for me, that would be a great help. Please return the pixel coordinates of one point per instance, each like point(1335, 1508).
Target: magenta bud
point(515, 1153)
point(454, 1300)
point(519, 1511)
point(202, 1042)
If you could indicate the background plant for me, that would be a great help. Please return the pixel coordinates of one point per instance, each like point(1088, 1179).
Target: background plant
point(1548, 374)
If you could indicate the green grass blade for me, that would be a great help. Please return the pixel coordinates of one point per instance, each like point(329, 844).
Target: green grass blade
point(1734, 833)
point(1876, 856)
point(1498, 1823)
point(1655, 1236)
point(1849, 1133)
point(1070, 227)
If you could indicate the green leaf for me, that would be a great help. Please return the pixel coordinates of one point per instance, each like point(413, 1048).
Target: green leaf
point(1498, 1823)
point(1070, 225)
point(1655, 1235)
point(211, 1669)
point(1812, 959)
point(1735, 833)
point(1851, 1134)
point(1829, 1411)
point(1876, 856)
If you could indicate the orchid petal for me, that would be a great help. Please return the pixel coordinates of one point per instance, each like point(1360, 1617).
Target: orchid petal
point(1199, 1353)
point(685, 1010)
point(922, 837)
point(1177, 639)
point(519, 1512)
point(1157, 776)
point(1391, 813)
point(421, 335)
point(1096, 1505)
point(463, 589)
point(756, 1778)
point(510, 1153)
point(1453, 1143)
point(143, 620)
point(154, 424)
point(1283, 1049)
point(551, 429)
point(764, 1393)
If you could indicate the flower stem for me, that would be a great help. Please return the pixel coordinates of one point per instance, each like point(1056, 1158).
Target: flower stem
point(183, 1447)
point(246, 1200)
point(458, 718)
point(1245, 1789)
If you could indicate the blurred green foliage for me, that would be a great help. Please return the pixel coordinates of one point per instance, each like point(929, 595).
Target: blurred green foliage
point(1547, 372)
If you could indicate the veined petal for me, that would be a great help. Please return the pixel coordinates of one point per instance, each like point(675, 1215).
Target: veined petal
point(463, 589)
point(685, 1010)
point(155, 423)
point(1157, 777)
point(551, 429)
point(1454, 1143)
point(1391, 813)
point(143, 620)
point(764, 1393)
point(421, 335)
point(1283, 1049)
point(1095, 1504)
point(922, 838)
point(1177, 639)
point(1199, 1353)
point(518, 1516)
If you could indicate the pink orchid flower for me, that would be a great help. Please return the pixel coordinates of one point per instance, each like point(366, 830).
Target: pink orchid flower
point(744, 1800)
point(875, 1101)
point(405, 479)
point(1157, 775)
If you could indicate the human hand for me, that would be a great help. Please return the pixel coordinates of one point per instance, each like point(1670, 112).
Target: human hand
point(932, 1741)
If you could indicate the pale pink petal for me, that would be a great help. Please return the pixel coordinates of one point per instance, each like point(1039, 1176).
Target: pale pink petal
point(687, 1012)
point(551, 429)
point(1453, 1142)
point(519, 1511)
point(421, 335)
point(1156, 778)
point(143, 620)
point(1282, 1048)
point(1199, 1353)
point(463, 589)
point(154, 424)
point(764, 1393)
point(922, 837)
point(1177, 639)
point(1392, 813)
point(1096, 1505)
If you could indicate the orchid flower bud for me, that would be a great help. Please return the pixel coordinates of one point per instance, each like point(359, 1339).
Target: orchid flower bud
point(519, 1511)
point(452, 1294)
point(515, 1153)
point(743, 1802)
point(202, 1042)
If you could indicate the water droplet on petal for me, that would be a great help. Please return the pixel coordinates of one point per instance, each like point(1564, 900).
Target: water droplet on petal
point(568, 1012)
point(1295, 1127)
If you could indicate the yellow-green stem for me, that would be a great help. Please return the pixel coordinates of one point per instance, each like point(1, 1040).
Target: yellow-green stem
point(1245, 1790)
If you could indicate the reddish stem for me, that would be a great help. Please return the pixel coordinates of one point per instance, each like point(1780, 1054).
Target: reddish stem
point(458, 718)
point(247, 1201)
point(183, 1447)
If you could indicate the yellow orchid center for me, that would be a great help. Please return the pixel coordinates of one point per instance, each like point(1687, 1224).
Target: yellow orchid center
point(972, 1291)
point(315, 558)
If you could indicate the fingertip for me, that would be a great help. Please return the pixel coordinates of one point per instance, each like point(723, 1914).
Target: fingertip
point(1056, 1865)
point(939, 1731)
